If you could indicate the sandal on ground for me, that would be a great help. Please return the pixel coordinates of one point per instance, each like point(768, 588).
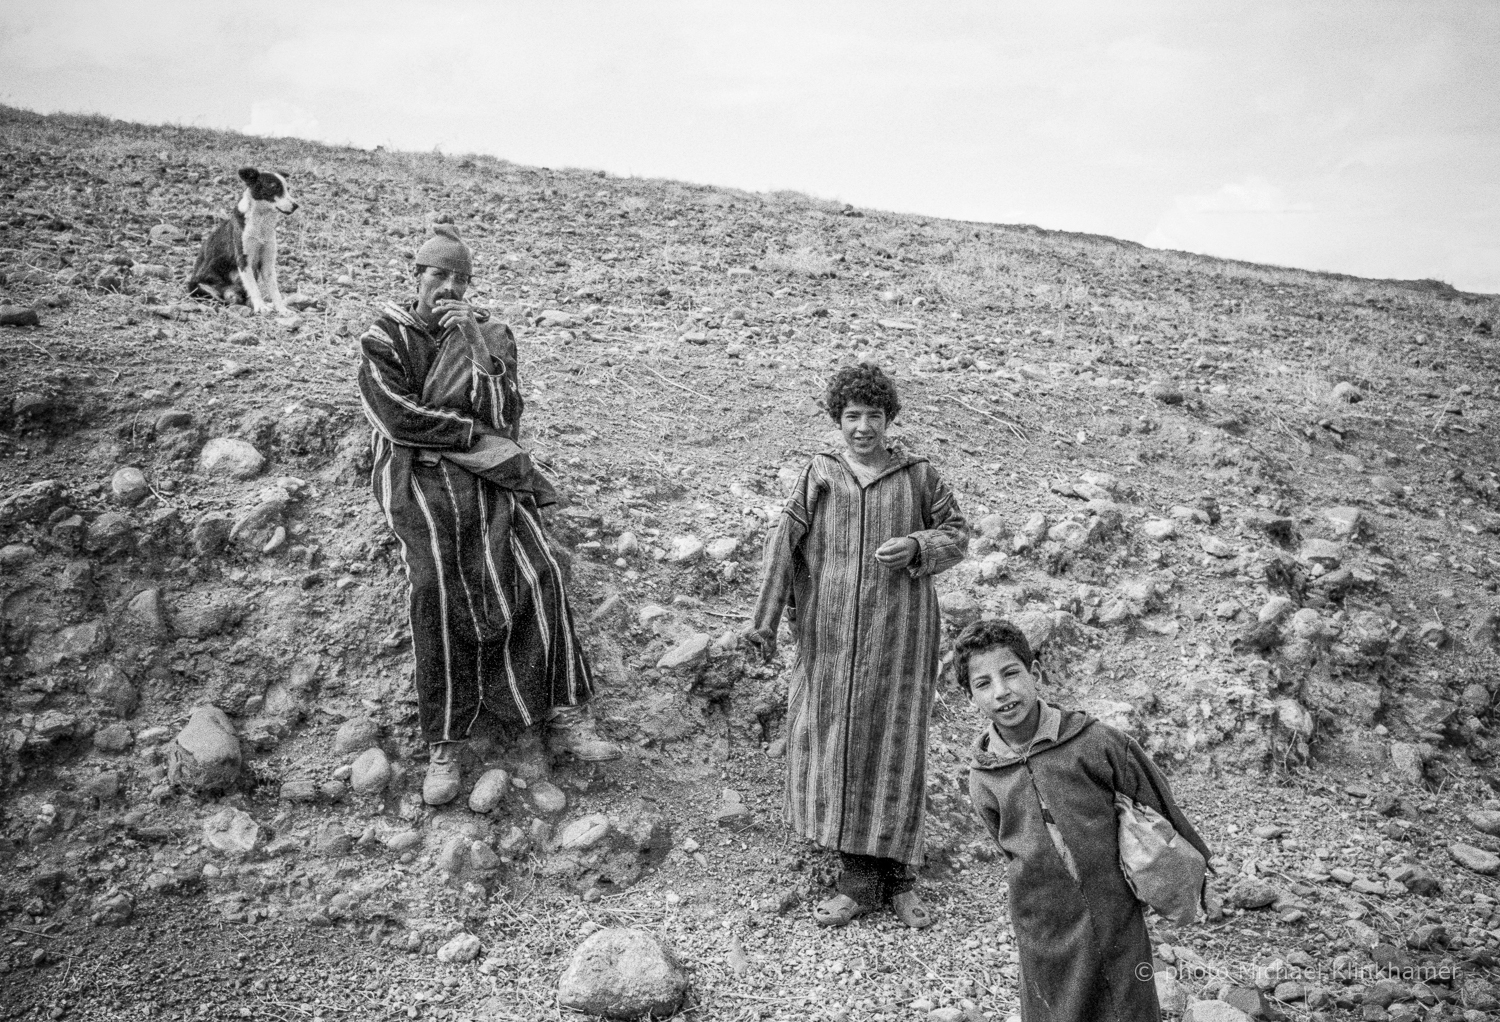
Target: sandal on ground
point(839, 910)
point(910, 910)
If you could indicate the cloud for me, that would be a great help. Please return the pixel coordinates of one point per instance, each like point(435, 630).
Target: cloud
point(274, 119)
point(1251, 195)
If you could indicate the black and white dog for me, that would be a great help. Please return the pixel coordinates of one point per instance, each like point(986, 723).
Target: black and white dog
point(238, 260)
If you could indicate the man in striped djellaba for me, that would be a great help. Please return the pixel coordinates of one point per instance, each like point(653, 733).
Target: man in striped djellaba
point(851, 562)
point(492, 631)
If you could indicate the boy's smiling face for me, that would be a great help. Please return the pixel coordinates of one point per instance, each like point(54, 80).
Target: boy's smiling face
point(863, 427)
point(1002, 689)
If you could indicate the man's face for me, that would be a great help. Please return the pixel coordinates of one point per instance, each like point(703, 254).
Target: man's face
point(1001, 687)
point(435, 284)
point(863, 427)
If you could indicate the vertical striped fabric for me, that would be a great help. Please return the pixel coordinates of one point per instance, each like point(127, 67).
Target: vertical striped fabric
point(867, 649)
point(490, 621)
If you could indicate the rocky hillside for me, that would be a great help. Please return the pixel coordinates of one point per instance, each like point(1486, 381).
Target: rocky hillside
point(1251, 515)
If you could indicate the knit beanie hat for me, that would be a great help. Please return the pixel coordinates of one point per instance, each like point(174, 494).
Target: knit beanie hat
point(446, 251)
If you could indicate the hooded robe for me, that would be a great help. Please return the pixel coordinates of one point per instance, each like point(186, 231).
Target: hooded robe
point(491, 625)
point(867, 636)
point(1081, 934)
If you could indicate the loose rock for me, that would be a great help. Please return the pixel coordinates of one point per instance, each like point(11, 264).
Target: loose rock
point(224, 456)
point(1476, 859)
point(206, 754)
point(233, 831)
point(463, 948)
point(128, 486)
point(489, 790)
point(371, 773)
point(623, 973)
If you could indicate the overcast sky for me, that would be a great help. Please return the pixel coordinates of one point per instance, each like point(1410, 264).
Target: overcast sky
point(1352, 135)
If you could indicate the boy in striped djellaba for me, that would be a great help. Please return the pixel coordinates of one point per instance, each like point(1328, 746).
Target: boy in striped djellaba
point(851, 562)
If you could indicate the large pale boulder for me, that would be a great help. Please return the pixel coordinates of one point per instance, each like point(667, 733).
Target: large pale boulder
point(623, 973)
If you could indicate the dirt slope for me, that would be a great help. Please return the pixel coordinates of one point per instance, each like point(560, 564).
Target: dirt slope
point(1251, 513)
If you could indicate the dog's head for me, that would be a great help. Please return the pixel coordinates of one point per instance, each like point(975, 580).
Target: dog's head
point(268, 186)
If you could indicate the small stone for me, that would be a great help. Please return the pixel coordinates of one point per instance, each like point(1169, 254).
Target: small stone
point(1346, 393)
point(1213, 1011)
point(483, 858)
point(111, 689)
point(1071, 534)
point(1251, 893)
point(113, 738)
point(1269, 831)
point(206, 753)
point(173, 418)
point(627, 545)
point(1166, 393)
point(1419, 881)
point(687, 655)
point(1346, 521)
point(1321, 551)
point(1030, 534)
point(1295, 717)
point(355, 735)
point(722, 549)
point(454, 855)
point(14, 555)
point(403, 841)
point(1274, 609)
point(1486, 821)
point(109, 534)
point(547, 797)
point(685, 549)
point(224, 456)
point(1159, 529)
point(233, 831)
point(623, 974)
point(463, 948)
point(18, 315)
point(371, 773)
point(1428, 937)
point(959, 608)
point(584, 833)
point(731, 810)
point(1476, 859)
point(946, 1015)
point(1215, 547)
point(243, 338)
point(299, 789)
point(1406, 762)
point(128, 486)
point(112, 908)
point(489, 790)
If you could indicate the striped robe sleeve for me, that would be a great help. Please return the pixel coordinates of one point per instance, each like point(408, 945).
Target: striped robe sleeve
point(946, 539)
point(395, 410)
point(782, 544)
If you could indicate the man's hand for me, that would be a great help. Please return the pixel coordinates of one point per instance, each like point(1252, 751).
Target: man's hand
point(897, 553)
point(451, 312)
point(761, 639)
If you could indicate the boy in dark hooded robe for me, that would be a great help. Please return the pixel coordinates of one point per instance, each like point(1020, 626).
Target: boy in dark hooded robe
point(1043, 781)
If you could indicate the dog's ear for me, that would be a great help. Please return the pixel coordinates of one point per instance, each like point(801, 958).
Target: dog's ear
point(249, 175)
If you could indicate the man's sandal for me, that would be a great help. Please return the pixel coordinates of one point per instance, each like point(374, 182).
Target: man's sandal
point(910, 910)
point(839, 910)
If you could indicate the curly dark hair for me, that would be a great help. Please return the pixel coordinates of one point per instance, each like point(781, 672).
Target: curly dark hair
point(862, 384)
point(986, 635)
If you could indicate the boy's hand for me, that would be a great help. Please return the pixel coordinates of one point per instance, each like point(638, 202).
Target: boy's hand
point(897, 553)
point(765, 641)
